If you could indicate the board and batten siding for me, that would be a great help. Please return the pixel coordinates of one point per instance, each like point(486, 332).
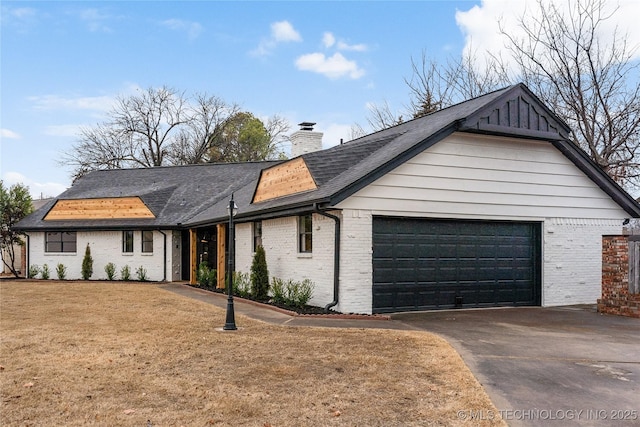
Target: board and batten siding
point(494, 178)
point(479, 177)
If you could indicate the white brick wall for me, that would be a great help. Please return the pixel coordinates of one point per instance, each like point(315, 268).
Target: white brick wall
point(106, 246)
point(280, 241)
point(572, 259)
point(356, 271)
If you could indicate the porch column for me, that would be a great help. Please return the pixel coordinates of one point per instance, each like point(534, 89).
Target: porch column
point(222, 245)
point(193, 255)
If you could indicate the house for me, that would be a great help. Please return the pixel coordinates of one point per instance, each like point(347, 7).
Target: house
point(486, 203)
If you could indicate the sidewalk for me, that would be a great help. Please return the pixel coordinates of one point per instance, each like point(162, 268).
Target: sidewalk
point(276, 316)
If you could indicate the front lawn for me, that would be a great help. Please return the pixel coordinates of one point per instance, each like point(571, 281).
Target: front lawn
point(113, 353)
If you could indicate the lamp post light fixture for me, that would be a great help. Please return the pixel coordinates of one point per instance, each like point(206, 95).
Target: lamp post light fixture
point(230, 323)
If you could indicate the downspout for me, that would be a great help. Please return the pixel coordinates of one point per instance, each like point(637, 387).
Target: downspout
point(28, 256)
point(336, 257)
point(164, 264)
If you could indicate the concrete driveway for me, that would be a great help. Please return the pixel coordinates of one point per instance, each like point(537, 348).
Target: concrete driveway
point(547, 366)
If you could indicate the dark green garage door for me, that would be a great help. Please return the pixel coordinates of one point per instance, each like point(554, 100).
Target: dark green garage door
point(423, 264)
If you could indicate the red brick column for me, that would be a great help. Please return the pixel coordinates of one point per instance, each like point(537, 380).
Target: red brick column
point(615, 279)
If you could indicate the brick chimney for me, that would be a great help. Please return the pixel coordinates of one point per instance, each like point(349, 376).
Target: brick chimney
point(305, 140)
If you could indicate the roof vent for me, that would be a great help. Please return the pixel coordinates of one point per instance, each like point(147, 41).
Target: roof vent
point(306, 126)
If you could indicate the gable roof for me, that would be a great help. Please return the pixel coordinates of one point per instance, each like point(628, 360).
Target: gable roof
point(191, 196)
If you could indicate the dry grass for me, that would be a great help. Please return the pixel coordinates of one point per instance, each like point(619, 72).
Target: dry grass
point(100, 353)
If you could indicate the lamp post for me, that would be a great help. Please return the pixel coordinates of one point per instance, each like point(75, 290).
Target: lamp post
point(230, 323)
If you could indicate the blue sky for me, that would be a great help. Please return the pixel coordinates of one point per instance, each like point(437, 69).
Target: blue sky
point(63, 63)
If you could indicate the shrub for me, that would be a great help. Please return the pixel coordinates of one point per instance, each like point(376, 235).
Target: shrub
point(110, 269)
point(241, 284)
point(61, 271)
point(33, 272)
point(278, 291)
point(304, 292)
point(141, 274)
point(45, 272)
point(87, 264)
point(291, 293)
point(260, 275)
point(205, 276)
point(125, 273)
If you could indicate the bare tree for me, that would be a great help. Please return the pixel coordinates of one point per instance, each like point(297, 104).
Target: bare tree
point(278, 130)
point(162, 126)
point(147, 121)
point(382, 116)
point(209, 117)
point(433, 86)
point(138, 133)
point(591, 84)
point(100, 147)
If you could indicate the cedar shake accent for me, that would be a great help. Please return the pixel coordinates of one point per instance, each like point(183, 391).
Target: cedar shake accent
point(108, 208)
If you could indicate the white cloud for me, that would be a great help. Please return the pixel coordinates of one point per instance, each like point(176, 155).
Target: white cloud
point(95, 19)
point(23, 19)
point(281, 32)
point(360, 47)
point(328, 40)
point(36, 189)
point(57, 102)
point(334, 67)
point(8, 134)
point(193, 29)
point(22, 12)
point(63, 130)
point(481, 24)
point(333, 133)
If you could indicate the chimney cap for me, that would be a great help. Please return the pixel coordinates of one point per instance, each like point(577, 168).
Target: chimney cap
point(306, 125)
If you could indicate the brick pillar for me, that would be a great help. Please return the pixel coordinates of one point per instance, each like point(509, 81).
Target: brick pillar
point(615, 278)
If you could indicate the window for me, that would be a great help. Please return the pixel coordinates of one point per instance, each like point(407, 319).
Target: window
point(147, 241)
point(60, 241)
point(257, 235)
point(305, 243)
point(127, 241)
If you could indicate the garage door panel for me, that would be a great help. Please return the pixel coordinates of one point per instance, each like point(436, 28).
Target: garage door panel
point(435, 264)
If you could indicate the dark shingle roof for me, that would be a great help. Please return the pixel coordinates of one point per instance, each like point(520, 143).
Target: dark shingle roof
point(173, 194)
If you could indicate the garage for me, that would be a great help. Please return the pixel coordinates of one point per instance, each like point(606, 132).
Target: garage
point(429, 264)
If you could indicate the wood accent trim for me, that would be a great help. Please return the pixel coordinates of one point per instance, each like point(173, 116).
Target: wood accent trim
point(284, 179)
point(193, 255)
point(108, 208)
point(222, 259)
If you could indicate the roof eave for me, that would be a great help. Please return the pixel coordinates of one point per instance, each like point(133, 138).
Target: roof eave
point(598, 176)
point(377, 173)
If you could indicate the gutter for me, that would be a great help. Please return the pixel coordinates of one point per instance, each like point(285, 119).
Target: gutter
point(164, 264)
point(336, 257)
